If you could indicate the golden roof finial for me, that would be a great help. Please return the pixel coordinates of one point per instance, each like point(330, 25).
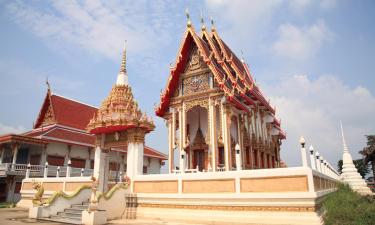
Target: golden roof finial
point(188, 17)
point(212, 24)
point(123, 61)
point(48, 85)
point(202, 22)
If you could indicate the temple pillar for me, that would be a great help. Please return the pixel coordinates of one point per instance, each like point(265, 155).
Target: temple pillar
point(240, 140)
point(100, 172)
point(213, 133)
point(2, 153)
point(171, 145)
point(226, 137)
point(183, 126)
point(181, 140)
point(15, 153)
point(88, 161)
point(67, 156)
point(43, 157)
point(135, 153)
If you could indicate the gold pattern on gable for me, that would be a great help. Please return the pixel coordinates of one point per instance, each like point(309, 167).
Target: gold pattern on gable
point(203, 102)
point(194, 61)
point(48, 117)
point(195, 84)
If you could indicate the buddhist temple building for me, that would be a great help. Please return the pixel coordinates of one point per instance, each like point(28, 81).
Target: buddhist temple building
point(59, 137)
point(212, 103)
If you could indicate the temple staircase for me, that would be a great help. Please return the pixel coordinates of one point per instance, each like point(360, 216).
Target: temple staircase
point(71, 215)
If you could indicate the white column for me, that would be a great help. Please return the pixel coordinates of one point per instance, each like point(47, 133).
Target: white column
point(170, 146)
point(303, 152)
point(322, 165)
point(181, 139)
point(43, 156)
point(2, 154)
point(69, 168)
point(134, 164)
point(88, 160)
point(45, 174)
point(239, 141)
point(100, 172)
point(15, 153)
point(227, 139)
point(317, 160)
point(312, 157)
point(213, 133)
point(28, 171)
point(173, 137)
point(238, 157)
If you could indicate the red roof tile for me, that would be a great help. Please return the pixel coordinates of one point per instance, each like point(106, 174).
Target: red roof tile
point(70, 136)
point(71, 113)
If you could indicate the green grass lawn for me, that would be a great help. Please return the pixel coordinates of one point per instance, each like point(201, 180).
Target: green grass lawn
point(345, 207)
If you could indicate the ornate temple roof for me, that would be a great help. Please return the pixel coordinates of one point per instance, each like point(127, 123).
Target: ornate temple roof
point(67, 112)
point(119, 111)
point(232, 74)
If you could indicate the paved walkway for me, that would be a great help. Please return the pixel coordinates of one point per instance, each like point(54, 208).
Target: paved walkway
point(18, 216)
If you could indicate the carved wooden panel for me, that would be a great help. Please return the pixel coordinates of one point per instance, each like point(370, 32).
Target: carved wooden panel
point(195, 84)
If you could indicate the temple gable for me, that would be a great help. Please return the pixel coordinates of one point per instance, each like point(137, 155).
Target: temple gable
point(195, 77)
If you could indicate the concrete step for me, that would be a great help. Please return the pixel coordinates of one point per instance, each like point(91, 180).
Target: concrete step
point(79, 207)
point(70, 214)
point(66, 217)
point(70, 210)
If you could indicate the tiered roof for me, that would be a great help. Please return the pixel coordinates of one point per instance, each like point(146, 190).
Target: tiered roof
point(232, 74)
point(119, 111)
point(63, 120)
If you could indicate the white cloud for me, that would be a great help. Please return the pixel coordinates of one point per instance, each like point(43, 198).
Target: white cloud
point(327, 4)
point(313, 108)
point(248, 20)
point(301, 43)
point(95, 26)
point(6, 129)
point(298, 6)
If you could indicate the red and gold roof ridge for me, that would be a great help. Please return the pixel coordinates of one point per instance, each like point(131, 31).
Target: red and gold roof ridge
point(119, 111)
point(240, 88)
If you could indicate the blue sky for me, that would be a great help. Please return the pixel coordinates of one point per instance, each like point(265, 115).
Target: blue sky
point(313, 59)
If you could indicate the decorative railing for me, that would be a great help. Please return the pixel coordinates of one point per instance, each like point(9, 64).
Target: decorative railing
point(39, 170)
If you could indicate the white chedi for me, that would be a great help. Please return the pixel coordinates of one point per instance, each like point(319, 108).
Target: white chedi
point(350, 173)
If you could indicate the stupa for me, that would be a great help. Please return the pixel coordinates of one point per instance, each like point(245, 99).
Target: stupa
point(119, 124)
point(350, 173)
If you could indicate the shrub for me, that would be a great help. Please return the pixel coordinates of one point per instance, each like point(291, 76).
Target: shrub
point(346, 207)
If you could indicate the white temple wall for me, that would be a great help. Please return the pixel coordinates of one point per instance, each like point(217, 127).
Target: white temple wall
point(57, 149)
point(154, 166)
point(79, 152)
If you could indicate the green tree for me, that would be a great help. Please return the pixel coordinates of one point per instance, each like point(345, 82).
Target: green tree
point(368, 153)
point(359, 164)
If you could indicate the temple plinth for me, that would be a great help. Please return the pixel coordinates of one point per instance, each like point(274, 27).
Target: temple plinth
point(119, 124)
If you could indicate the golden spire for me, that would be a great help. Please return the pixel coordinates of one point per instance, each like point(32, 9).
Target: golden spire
point(202, 22)
point(188, 17)
point(122, 77)
point(123, 61)
point(212, 25)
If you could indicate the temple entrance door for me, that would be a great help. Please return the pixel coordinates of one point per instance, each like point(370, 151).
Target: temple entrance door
point(198, 159)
